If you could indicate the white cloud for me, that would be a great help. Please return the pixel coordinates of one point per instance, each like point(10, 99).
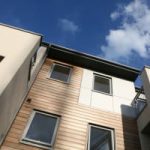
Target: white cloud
point(133, 36)
point(114, 15)
point(68, 26)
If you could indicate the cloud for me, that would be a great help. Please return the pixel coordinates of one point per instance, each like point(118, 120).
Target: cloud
point(133, 36)
point(114, 15)
point(68, 26)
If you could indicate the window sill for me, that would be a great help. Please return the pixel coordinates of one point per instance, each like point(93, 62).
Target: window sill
point(34, 144)
point(68, 82)
point(109, 94)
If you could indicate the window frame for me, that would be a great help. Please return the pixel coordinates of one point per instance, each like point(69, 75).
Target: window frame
point(112, 131)
point(63, 65)
point(104, 77)
point(36, 143)
point(32, 64)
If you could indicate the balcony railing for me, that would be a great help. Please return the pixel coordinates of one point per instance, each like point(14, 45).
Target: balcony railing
point(139, 103)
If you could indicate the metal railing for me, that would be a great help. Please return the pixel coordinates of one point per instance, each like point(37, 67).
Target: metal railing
point(139, 103)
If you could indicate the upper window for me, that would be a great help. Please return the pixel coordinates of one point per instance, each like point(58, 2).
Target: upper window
point(33, 59)
point(32, 63)
point(102, 84)
point(41, 129)
point(100, 138)
point(1, 58)
point(60, 72)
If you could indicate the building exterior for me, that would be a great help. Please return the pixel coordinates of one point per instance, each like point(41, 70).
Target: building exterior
point(17, 48)
point(56, 98)
point(143, 120)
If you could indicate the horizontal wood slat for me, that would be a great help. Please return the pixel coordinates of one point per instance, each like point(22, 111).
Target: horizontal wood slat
point(62, 99)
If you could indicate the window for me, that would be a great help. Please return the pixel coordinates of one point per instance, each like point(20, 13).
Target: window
point(100, 138)
point(102, 84)
point(60, 72)
point(41, 130)
point(32, 63)
point(33, 59)
point(1, 58)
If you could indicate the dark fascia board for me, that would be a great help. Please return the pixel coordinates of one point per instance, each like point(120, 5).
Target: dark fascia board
point(45, 44)
point(96, 64)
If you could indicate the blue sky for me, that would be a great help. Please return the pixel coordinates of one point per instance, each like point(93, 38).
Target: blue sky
point(117, 30)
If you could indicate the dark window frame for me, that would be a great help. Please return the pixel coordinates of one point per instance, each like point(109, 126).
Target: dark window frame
point(36, 143)
point(112, 131)
point(103, 77)
point(59, 64)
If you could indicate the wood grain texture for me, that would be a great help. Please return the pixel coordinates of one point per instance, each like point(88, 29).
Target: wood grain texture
point(62, 99)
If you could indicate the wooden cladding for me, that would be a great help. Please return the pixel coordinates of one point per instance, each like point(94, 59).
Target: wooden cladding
point(62, 99)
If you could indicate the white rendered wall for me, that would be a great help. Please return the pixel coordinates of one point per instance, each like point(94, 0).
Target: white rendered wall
point(14, 44)
point(123, 92)
point(17, 47)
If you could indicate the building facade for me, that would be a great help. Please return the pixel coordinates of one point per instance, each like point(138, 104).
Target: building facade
point(58, 98)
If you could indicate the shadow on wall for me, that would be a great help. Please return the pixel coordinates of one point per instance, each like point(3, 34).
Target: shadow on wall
point(130, 130)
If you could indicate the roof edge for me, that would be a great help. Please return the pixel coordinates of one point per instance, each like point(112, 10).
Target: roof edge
point(91, 62)
point(97, 58)
point(20, 29)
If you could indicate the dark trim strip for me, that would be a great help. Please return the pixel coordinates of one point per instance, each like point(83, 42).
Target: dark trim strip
point(93, 63)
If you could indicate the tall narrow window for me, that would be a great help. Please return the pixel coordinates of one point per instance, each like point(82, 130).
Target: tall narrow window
point(60, 72)
point(102, 84)
point(32, 63)
point(100, 138)
point(41, 129)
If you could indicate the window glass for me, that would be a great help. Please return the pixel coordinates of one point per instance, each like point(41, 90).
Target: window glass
point(33, 59)
point(32, 63)
point(100, 139)
point(41, 129)
point(60, 73)
point(101, 84)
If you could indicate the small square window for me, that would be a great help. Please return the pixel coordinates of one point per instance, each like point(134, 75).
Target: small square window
point(41, 130)
point(60, 72)
point(100, 138)
point(102, 84)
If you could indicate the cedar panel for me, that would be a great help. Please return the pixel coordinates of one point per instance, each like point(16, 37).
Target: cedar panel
point(62, 99)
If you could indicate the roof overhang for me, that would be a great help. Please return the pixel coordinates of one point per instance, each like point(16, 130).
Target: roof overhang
point(93, 63)
point(23, 30)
